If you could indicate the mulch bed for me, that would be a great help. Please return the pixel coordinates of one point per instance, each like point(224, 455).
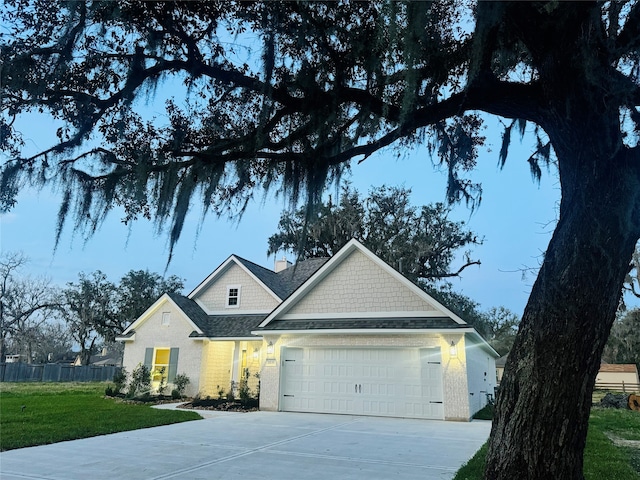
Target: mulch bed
point(221, 405)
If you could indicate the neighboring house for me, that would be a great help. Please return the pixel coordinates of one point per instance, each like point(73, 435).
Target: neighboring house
point(346, 335)
point(105, 358)
point(500, 363)
point(612, 376)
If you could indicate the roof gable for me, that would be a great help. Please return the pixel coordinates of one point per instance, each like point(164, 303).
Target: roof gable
point(277, 286)
point(259, 274)
point(189, 312)
point(354, 278)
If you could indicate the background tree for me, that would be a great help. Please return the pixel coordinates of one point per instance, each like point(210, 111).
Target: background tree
point(89, 311)
point(25, 305)
point(623, 345)
point(50, 342)
point(421, 242)
point(10, 263)
point(30, 305)
point(632, 280)
point(500, 328)
point(461, 305)
point(340, 82)
point(55, 343)
point(137, 291)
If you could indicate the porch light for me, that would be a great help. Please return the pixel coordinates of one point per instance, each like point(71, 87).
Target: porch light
point(256, 353)
point(270, 350)
point(453, 350)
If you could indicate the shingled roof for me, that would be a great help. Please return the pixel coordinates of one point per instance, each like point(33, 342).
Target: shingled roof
point(190, 308)
point(287, 281)
point(405, 323)
point(283, 284)
point(216, 325)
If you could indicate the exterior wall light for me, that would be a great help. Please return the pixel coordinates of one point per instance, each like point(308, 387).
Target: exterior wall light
point(270, 350)
point(453, 350)
point(256, 353)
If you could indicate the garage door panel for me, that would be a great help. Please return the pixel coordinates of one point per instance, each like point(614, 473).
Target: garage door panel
point(380, 408)
point(385, 382)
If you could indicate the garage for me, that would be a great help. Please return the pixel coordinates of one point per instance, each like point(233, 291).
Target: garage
point(394, 382)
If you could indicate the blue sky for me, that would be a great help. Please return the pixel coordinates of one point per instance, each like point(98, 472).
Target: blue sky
point(516, 218)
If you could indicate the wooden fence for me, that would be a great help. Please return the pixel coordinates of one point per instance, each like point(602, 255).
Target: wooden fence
point(623, 387)
point(55, 372)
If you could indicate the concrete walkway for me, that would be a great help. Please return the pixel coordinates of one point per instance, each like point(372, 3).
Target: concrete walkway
point(259, 445)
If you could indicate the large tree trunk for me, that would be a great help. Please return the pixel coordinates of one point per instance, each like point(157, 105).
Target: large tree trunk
point(541, 422)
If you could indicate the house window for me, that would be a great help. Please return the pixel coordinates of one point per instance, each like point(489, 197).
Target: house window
point(166, 319)
point(160, 367)
point(233, 296)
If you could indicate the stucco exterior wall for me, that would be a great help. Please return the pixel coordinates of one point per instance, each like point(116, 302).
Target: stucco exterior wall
point(359, 285)
point(253, 297)
point(456, 401)
point(152, 334)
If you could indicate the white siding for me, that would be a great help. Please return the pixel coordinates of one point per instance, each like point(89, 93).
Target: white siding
point(481, 368)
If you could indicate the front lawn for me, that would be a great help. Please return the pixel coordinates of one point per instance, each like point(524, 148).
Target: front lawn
point(40, 413)
point(603, 459)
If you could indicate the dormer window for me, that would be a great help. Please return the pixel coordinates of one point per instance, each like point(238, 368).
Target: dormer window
point(233, 296)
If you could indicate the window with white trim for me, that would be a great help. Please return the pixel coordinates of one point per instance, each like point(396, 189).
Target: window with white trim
point(166, 319)
point(233, 296)
point(160, 368)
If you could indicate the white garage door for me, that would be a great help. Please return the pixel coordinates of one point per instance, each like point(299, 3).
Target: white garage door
point(363, 381)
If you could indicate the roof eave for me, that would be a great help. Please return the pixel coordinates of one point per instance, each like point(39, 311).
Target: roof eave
point(378, 331)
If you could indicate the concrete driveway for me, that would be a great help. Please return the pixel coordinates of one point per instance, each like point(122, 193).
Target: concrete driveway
point(260, 445)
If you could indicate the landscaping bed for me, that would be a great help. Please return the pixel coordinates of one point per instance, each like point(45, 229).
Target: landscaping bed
point(222, 405)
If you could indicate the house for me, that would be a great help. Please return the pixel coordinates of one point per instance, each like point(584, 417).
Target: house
point(613, 376)
point(104, 359)
point(345, 335)
point(500, 364)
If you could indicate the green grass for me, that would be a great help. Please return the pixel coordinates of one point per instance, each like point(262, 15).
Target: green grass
point(40, 413)
point(602, 459)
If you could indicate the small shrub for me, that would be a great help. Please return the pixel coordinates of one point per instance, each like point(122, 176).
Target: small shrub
point(231, 395)
point(175, 394)
point(180, 383)
point(140, 380)
point(220, 392)
point(120, 380)
point(163, 380)
point(486, 413)
point(243, 390)
point(109, 391)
